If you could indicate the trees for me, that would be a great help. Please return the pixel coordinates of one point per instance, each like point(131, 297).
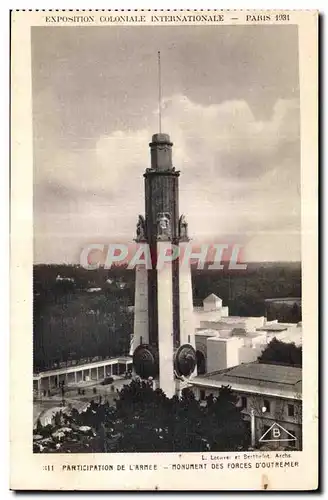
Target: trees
point(278, 352)
point(227, 430)
point(245, 292)
point(148, 421)
point(79, 326)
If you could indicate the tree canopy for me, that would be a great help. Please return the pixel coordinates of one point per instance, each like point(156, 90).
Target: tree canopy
point(149, 421)
point(282, 353)
point(146, 420)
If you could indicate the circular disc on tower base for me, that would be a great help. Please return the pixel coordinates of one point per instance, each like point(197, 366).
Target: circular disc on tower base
point(145, 361)
point(185, 360)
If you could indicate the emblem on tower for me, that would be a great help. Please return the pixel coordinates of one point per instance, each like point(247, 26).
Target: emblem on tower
point(185, 360)
point(145, 361)
point(164, 226)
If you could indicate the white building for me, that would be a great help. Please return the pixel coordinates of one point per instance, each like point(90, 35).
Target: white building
point(72, 375)
point(223, 341)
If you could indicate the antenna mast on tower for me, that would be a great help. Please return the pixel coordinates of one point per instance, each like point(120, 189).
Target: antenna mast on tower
point(159, 93)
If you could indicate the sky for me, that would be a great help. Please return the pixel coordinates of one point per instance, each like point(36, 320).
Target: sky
point(230, 105)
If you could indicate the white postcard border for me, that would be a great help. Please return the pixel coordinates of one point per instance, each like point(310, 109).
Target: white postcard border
point(27, 470)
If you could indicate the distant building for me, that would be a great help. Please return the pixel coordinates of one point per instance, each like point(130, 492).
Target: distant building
point(287, 309)
point(60, 278)
point(270, 397)
point(93, 290)
point(212, 303)
point(212, 309)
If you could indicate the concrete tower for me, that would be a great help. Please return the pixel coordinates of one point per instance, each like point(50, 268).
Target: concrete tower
point(164, 341)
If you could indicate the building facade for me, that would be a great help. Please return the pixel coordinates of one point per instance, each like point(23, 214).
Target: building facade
point(270, 397)
point(95, 371)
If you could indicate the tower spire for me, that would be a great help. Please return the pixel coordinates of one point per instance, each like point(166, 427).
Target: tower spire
point(159, 93)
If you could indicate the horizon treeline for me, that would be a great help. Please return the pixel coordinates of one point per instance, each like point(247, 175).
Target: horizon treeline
point(83, 314)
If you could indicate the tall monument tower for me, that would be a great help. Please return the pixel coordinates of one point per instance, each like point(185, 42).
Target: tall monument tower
point(164, 340)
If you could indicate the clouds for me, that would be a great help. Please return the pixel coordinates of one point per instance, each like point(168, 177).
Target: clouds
point(231, 107)
point(228, 135)
point(239, 176)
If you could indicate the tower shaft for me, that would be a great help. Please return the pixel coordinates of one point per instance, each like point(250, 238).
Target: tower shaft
point(162, 224)
point(169, 311)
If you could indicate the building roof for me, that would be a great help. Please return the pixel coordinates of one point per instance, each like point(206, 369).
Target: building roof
point(212, 298)
point(206, 332)
point(238, 319)
point(124, 359)
point(269, 373)
point(83, 366)
point(227, 338)
point(274, 327)
point(291, 301)
point(284, 299)
point(275, 380)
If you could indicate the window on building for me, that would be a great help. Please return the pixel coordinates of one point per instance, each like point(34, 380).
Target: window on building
point(266, 406)
point(291, 410)
point(243, 402)
point(202, 394)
